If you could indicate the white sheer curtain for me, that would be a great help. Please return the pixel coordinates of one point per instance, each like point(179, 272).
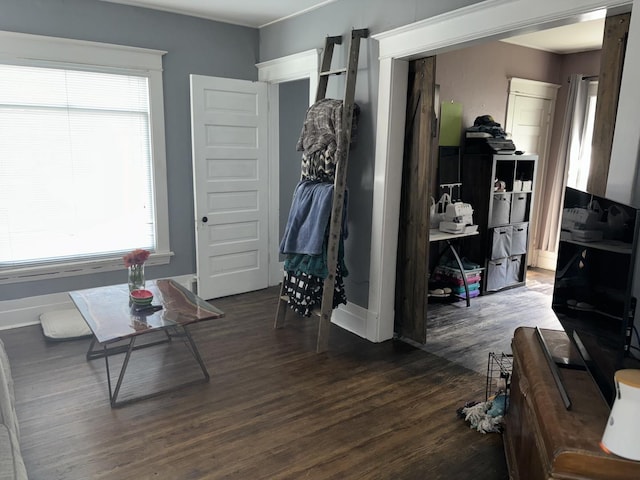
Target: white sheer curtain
point(576, 138)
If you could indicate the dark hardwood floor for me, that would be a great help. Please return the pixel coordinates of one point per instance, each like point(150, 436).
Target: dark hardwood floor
point(273, 408)
point(466, 335)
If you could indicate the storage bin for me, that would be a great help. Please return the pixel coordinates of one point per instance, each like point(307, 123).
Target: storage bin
point(496, 275)
point(501, 242)
point(518, 207)
point(519, 239)
point(514, 264)
point(500, 209)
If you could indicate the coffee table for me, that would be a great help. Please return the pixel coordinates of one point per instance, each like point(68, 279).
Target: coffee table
point(111, 318)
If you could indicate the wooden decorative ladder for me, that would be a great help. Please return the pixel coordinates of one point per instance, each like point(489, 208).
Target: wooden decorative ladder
point(335, 226)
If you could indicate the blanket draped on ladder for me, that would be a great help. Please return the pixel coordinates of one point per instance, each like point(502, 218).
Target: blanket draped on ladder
point(304, 242)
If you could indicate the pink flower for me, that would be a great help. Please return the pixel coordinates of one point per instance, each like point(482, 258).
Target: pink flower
point(137, 257)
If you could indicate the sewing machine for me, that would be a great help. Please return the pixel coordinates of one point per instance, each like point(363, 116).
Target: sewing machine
point(457, 217)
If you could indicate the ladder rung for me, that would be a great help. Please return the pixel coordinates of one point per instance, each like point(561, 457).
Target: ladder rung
point(338, 71)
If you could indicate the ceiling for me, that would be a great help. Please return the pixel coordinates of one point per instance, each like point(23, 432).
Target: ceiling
point(572, 38)
point(250, 13)
point(576, 37)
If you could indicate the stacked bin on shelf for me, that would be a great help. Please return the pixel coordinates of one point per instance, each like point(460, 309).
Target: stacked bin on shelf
point(508, 247)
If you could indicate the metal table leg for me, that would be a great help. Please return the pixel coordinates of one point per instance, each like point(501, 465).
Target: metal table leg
point(196, 353)
point(107, 351)
point(461, 267)
point(114, 396)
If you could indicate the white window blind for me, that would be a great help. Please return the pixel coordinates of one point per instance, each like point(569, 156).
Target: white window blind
point(76, 178)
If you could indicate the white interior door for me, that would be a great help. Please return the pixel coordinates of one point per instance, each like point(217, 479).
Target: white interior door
point(230, 178)
point(529, 120)
point(530, 123)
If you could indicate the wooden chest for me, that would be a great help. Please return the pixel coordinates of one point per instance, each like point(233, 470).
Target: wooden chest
point(544, 440)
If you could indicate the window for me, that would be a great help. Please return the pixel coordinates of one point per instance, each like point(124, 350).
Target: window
point(580, 152)
point(81, 159)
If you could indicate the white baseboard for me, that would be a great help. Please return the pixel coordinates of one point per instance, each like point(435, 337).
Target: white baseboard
point(26, 311)
point(353, 318)
point(547, 260)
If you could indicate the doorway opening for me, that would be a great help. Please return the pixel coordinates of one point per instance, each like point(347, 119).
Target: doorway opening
point(397, 48)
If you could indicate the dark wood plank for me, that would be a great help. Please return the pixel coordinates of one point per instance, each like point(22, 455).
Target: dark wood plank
point(273, 408)
point(614, 46)
point(417, 171)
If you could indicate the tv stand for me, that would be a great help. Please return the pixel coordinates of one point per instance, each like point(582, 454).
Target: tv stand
point(544, 440)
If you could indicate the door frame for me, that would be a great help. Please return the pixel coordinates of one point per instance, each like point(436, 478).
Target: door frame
point(520, 87)
point(491, 19)
point(299, 66)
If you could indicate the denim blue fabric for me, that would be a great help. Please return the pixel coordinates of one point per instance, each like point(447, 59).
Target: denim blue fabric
point(308, 218)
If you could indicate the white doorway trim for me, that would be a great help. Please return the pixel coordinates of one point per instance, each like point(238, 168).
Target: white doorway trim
point(298, 66)
point(293, 67)
point(490, 20)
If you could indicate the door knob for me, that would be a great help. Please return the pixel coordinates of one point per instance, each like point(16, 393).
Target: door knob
point(205, 219)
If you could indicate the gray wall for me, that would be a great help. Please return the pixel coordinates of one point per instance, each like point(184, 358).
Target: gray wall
point(293, 104)
point(194, 46)
point(309, 31)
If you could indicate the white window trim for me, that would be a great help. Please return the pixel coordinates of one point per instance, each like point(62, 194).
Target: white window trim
point(26, 49)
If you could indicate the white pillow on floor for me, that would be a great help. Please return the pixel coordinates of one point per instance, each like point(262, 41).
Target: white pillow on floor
point(64, 325)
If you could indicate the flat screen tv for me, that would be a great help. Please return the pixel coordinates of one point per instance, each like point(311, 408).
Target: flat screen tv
point(592, 295)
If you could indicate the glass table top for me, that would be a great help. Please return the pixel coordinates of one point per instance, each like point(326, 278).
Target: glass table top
point(110, 316)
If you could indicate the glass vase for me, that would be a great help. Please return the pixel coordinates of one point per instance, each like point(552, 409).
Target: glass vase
point(136, 277)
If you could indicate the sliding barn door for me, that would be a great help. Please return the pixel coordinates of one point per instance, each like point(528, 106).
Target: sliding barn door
point(412, 270)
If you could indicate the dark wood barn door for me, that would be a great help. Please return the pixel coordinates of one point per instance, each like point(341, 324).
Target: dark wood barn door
point(412, 268)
